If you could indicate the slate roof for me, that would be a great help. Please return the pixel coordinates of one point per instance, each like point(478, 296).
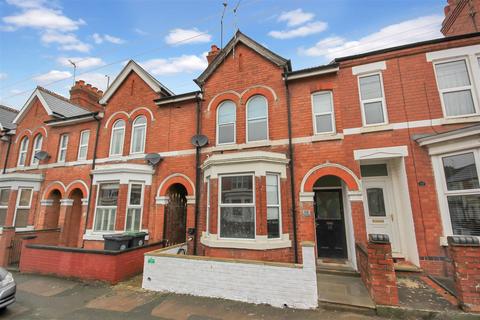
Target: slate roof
point(61, 106)
point(6, 117)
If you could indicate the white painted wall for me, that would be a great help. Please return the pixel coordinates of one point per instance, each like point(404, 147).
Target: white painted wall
point(295, 287)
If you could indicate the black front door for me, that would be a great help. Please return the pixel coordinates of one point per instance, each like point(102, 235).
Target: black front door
point(330, 224)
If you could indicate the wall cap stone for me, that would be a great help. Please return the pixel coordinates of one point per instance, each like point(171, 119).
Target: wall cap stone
point(464, 241)
point(378, 238)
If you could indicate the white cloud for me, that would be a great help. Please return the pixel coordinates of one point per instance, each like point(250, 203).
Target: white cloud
point(42, 18)
point(81, 62)
point(26, 3)
point(409, 31)
point(303, 31)
point(3, 76)
point(183, 36)
point(96, 79)
point(184, 63)
point(295, 17)
point(67, 41)
point(140, 31)
point(53, 75)
point(98, 38)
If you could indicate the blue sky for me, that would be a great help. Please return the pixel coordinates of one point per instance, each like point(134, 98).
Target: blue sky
point(170, 38)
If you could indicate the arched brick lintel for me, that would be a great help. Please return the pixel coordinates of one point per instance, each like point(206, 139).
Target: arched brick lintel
point(337, 170)
point(176, 178)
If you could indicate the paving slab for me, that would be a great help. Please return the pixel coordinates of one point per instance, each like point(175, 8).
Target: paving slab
point(46, 287)
point(121, 300)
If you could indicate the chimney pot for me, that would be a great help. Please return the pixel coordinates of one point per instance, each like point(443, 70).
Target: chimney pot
point(214, 51)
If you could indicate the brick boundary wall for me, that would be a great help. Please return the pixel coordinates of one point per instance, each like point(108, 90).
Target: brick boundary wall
point(274, 283)
point(376, 267)
point(103, 265)
point(465, 254)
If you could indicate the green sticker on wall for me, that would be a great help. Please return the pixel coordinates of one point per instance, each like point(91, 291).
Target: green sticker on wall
point(151, 261)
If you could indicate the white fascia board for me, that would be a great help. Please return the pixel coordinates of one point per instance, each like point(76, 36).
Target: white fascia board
point(370, 67)
point(25, 107)
point(445, 138)
point(313, 73)
point(174, 99)
point(124, 173)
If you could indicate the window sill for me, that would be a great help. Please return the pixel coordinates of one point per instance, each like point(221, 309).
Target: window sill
point(98, 235)
point(382, 127)
point(466, 119)
point(241, 146)
point(259, 243)
point(27, 228)
point(327, 137)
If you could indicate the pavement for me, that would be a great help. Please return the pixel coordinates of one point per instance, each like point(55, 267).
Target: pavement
point(43, 297)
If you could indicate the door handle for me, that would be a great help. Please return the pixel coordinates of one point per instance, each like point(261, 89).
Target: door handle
point(391, 217)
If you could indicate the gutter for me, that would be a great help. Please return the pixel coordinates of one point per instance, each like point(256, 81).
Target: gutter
point(197, 174)
point(74, 119)
point(97, 135)
point(178, 98)
point(292, 172)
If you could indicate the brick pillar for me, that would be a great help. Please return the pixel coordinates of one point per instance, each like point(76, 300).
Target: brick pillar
point(465, 254)
point(8, 233)
point(121, 207)
point(376, 267)
point(306, 229)
point(83, 222)
point(65, 213)
point(45, 205)
point(190, 223)
point(358, 216)
point(33, 207)
point(12, 201)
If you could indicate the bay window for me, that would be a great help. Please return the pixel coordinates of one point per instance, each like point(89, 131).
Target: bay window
point(37, 146)
point(134, 207)
point(455, 86)
point(237, 206)
point(462, 191)
point(22, 209)
point(139, 130)
point(207, 227)
point(374, 111)
point(22, 154)
point(226, 123)
point(323, 116)
point(273, 206)
point(62, 149)
point(83, 145)
point(116, 141)
point(257, 119)
point(107, 199)
point(4, 197)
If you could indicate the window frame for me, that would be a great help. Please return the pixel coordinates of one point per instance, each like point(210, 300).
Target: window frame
point(124, 128)
point(9, 190)
point(133, 131)
point(217, 125)
point(60, 148)
point(444, 192)
point(279, 205)
point(21, 151)
point(243, 205)
point(105, 207)
point(80, 145)
point(34, 161)
point(247, 120)
point(17, 204)
point(136, 206)
point(471, 87)
point(208, 209)
point(314, 115)
point(363, 102)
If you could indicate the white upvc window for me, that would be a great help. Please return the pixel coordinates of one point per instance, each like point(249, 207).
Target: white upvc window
point(257, 118)
point(139, 131)
point(106, 211)
point(454, 82)
point(207, 223)
point(37, 146)
point(83, 145)
point(372, 99)
point(236, 203)
point(22, 153)
point(117, 138)
point(133, 219)
point(323, 112)
point(274, 226)
point(461, 192)
point(62, 148)
point(22, 208)
point(226, 123)
point(4, 197)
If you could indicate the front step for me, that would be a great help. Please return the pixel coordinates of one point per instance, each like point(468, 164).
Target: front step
point(336, 272)
point(405, 266)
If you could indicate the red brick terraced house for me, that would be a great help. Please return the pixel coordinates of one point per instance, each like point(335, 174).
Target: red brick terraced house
point(385, 142)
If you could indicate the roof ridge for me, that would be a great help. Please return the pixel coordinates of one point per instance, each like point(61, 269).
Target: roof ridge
point(9, 109)
point(58, 96)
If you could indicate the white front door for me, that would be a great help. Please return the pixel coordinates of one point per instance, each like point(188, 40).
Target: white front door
point(380, 210)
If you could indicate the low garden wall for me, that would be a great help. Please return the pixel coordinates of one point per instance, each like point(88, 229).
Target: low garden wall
point(277, 284)
point(103, 265)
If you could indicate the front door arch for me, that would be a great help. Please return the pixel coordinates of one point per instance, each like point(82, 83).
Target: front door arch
point(72, 227)
point(175, 222)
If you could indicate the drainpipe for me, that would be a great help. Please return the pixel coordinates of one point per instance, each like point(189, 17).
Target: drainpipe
point(292, 172)
point(8, 152)
point(197, 176)
point(97, 135)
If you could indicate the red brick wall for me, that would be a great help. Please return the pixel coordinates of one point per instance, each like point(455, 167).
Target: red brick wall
point(461, 16)
point(84, 264)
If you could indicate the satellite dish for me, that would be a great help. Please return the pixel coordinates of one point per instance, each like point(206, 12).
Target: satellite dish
point(199, 140)
point(153, 158)
point(41, 155)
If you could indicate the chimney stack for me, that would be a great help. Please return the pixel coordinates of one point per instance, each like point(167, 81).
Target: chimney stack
point(84, 95)
point(214, 51)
